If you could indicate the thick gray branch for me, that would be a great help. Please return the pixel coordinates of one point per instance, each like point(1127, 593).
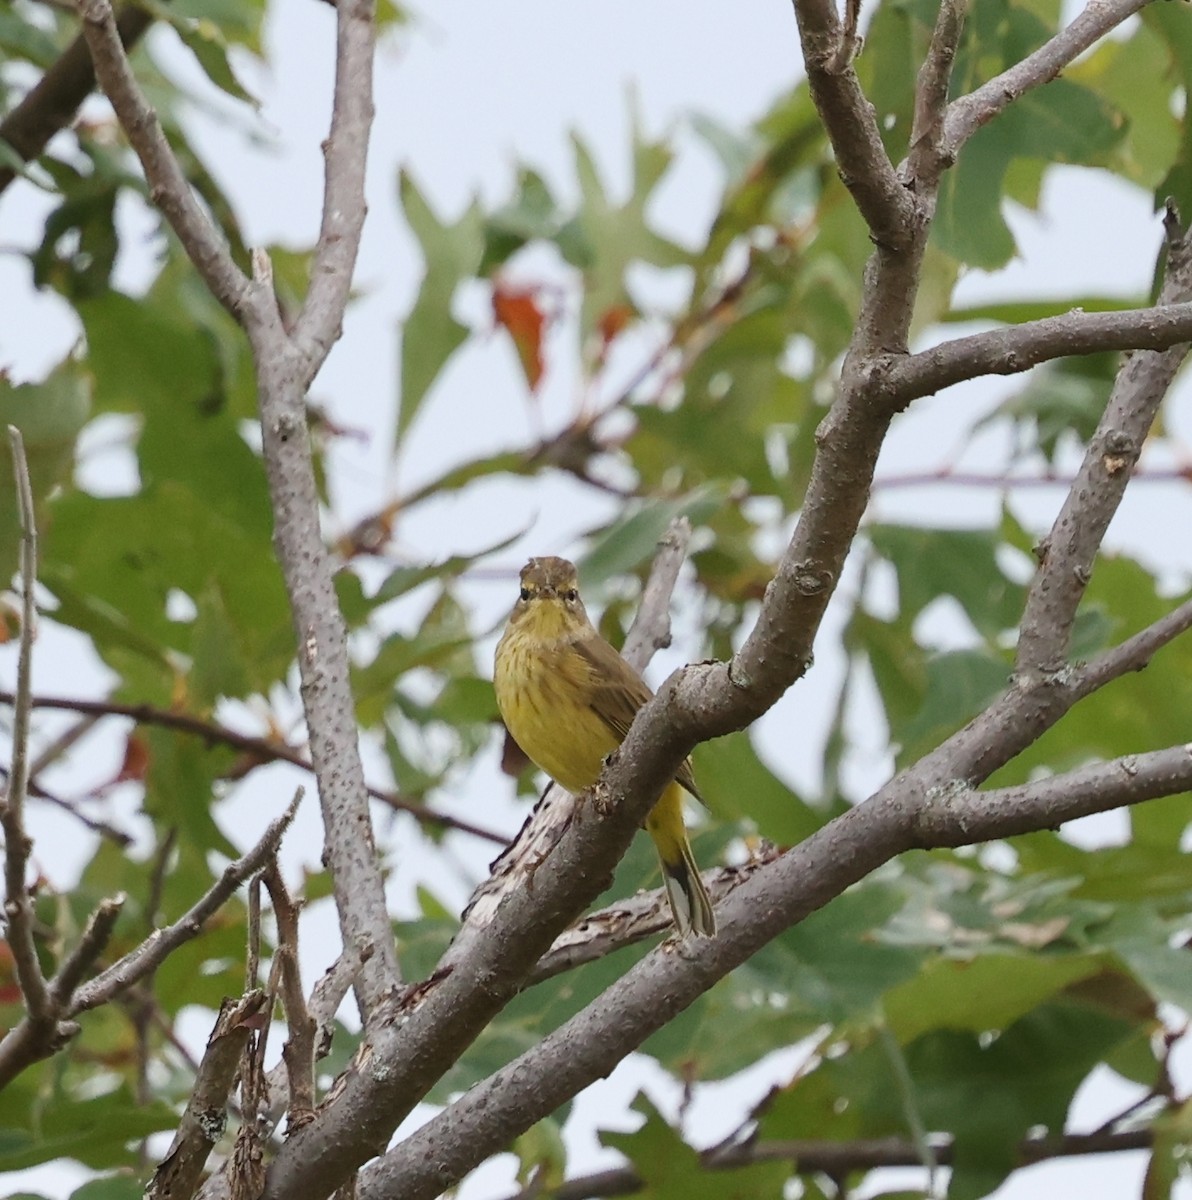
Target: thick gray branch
point(283, 373)
point(902, 815)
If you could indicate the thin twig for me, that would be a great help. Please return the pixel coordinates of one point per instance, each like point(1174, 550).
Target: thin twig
point(150, 954)
point(945, 476)
point(1135, 652)
point(298, 1052)
point(345, 151)
point(811, 1156)
point(252, 941)
point(103, 828)
point(66, 741)
point(179, 1173)
point(931, 94)
point(651, 628)
point(325, 998)
point(18, 906)
point(90, 946)
point(262, 749)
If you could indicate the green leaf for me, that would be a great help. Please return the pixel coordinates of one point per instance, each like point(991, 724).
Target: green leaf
point(50, 416)
point(604, 237)
point(112, 1187)
point(1060, 122)
point(531, 215)
point(669, 1167)
point(738, 785)
point(990, 1096)
point(959, 685)
point(946, 562)
point(22, 38)
point(101, 1132)
point(430, 334)
point(633, 540)
point(987, 992)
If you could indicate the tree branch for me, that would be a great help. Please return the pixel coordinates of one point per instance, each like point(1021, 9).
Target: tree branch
point(1048, 803)
point(345, 151)
point(298, 1053)
point(1067, 554)
point(178, 1174)
point(51, 104)
point(1135, 652)
point(848, 118)
point(810, 1156)
point(630, 921)
point(902, 815)
point(283, 372)
point(18, 906)
point(1018, 348)
point(154, 950)
point(91, 943)
point(168, 188)
point(321, 639)
point(924, 163)
point(37, 1037)
point(1004, 482)
point(651, 628)
point(263, 749)
point(966, 115)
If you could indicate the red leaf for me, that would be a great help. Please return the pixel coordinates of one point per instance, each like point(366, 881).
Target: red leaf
point(612, 322)
point(136, 761)
point(518, 311)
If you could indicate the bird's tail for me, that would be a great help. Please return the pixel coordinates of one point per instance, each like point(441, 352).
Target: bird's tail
point(690, 903)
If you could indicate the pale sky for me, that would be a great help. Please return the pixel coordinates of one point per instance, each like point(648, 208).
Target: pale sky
point(474, 88)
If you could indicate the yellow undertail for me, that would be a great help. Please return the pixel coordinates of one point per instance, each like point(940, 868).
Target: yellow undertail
point(689, 900)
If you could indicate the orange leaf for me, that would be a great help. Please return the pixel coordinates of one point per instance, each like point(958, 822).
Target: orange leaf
point(613, 320)
point(517, 310)
point(136, 760)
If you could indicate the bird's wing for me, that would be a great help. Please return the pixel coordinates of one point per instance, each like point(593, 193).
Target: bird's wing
point(618, 692)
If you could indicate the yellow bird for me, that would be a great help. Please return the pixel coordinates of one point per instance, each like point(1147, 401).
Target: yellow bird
point(568, 698)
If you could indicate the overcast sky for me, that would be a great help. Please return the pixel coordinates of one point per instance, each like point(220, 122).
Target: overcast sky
point(474, 88)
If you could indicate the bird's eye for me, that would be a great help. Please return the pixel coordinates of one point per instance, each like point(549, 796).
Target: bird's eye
point(525, 593)
point(571, 595)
